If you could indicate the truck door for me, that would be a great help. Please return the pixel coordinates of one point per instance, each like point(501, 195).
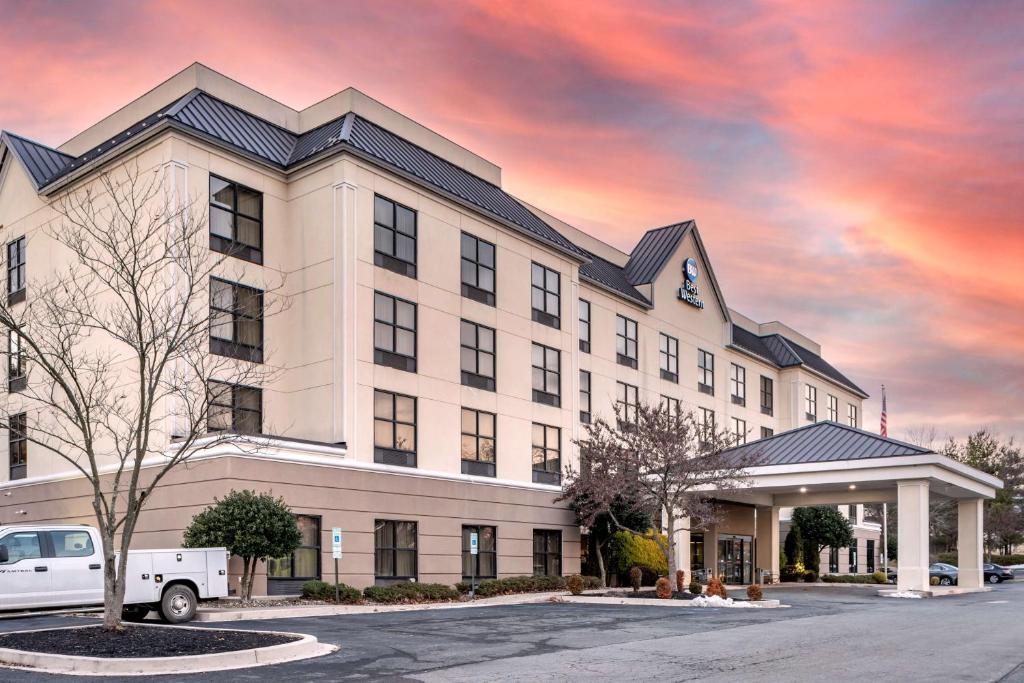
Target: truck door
point(76, 567)
point(24, 571)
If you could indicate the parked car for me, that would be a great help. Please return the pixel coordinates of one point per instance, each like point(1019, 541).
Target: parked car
point(61, 565)
point(995, 573)
point(946, 574)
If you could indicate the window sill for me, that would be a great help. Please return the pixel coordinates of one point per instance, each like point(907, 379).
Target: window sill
point(388, 456)
point(546, 319)
point(479, 469)
point(479, 295)
point(470, 379)
point(238, 250)
point(394, 265)
point(547, 399)
point(222, 347)
point(17, 296)
point(394, 360)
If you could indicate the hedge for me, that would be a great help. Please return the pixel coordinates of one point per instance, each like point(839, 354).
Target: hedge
point(321, 590)
point(630, 550)
point(524, 584)
point(877, 577)
point(410, 593)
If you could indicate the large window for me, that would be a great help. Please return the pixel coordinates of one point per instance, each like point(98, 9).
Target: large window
point(479, 436)
point(766, 432)
point(669, 357)
point(739, 431)
point(584, 326)
point(547, 552)
point(17, 366)
point(626, 401)
point(705, 372)
point(236, 220)
point(707, 425)
point(16, 271)
point(671, 406)
point(546, 295)
point(477, 269)
point(811, 402)
point(234, 408)
point(394, 551)
point(851, 414)
point(394, 236)
point(547, 454)
point(833, 408)
point(236, 320)
point(625, 341)
point(767, 395)
point(585, 415)
point(483, 565)
point(853, 557)
point(394, 332)
point(547, 363)
point(738, 384)
point(17, 445)
point(287, 574)
point(870, 557)
point(477, 355)
point(394, 429)
point(833, 560)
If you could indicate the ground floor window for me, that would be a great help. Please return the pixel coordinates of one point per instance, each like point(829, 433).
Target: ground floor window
point(483, 565)
point(547, 552)
point(853, 558)
point(696, 552)
point(871, 557)
point(304, 562)
point(833, 560)
point(394, 550)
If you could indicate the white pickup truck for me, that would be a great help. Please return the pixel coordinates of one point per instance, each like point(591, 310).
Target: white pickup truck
point(59, 565)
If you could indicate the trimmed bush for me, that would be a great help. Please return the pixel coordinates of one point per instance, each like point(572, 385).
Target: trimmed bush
point(696, 588)
point(321, 590)
point(810, 576)
point(877, 577)
point(591, 583)
point(636, 576)
point(628, 550)
point(400, 593)
point(716, 587)
point(514, 584)
point(790, 572)
point(680, 580)
point(575, 584)
point(934, 581)
point(662, 588)
point(755, 592)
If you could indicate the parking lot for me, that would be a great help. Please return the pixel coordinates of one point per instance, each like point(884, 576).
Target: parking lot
point(835, 634)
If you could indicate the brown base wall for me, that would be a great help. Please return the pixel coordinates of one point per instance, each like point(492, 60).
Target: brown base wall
point(349, 498)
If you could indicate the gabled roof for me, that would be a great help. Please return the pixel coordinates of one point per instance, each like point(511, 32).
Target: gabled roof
point(40, 161)
point(652, 252)
point(610, 276)
point(786, 353)
point(822, 442)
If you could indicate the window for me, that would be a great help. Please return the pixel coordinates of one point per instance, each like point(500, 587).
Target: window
point(547, 552)
point(833, 560)
point(626, 402)
point(738, 384)
point(17, 366)
point(853, 558)
point(236, 220)
point(547, 454)
point(584, 397)
point(478, 442)
point(739, 430)
point(394, 551)
point(234, 408)
point(394, 429)
point(547, 363)
point(584, 326)
point(303, 564)
point(851, 414)
point(16, 271)
point(833, 408)
point(870, 557)
point(394, 236)
point(394, 332)
point(851, 513)
point(477, 269)
point(17, 445)
point(671, 406)
point(483, 565)
point(25, 545)
point(625, 341)
point(811, 402)
point(669, 358)
point(707, 425)
point(705, 372)
point(697, 552)
point(71, 543)
point(545, 295)
point(767, 395)
point(766, 432)
point(477, 355)
point(236, 320)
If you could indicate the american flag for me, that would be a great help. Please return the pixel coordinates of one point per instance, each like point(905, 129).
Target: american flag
point(885, 427)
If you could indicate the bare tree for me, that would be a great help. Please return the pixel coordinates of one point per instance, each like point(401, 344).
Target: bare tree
point(658, 463)
point(113, 342)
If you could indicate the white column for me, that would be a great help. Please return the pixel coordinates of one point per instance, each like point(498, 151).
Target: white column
point(969, 543)
point(912, 535)
point(683, 548)
point(768, 541)
point(344, 317)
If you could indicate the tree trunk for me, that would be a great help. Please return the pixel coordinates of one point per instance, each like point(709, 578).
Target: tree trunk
point(113, 587)
point(671, 529)
point(600, 564)
point(245, 578)
point(252, 578)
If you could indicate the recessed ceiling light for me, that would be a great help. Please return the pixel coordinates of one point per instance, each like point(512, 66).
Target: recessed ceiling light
point(803, 489)
point(853, 486)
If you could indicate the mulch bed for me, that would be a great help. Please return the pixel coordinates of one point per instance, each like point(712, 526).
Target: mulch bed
point(646, 594)
point(139, 641)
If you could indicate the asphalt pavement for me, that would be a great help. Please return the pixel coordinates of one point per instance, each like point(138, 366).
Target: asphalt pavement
point(829, 634)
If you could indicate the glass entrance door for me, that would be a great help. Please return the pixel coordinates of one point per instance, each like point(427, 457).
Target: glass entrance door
point(734, 559)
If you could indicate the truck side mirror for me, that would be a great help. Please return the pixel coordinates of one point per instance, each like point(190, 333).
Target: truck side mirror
point(4, 556)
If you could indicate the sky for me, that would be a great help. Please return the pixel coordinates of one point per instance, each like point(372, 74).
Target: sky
point(856, 169)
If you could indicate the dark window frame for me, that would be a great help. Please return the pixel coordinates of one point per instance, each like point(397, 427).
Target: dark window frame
point(318, 548)
point(767, 396)
point(833, 560)
point(852, 416)
point(627, 398)
point(544, 472)
point(17, 260)
point(544, 394)
point(235, 406)
point(391, 357)
point(391, 261)
point(473, 290)
point(870, 556)
point(833, 408)
point(767, 432)
point(585, 397)
point(17, 365)
point(473, 377)
point(233, 246)
point(393, 455)
point(17, 446)
point(393, 548)
point(668, 357)
point(475, 560)
point(624, 342)
point(705, 372)
point(551, 553)
point(739, 430)
point(234, 348)
point(738, 384)
point(811, 402)
point(585, 325)
point(543, 315)
point(673, 405)
point(852, 557)
point(478, 465)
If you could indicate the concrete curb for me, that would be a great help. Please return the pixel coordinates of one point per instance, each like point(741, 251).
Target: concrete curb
point(655, 602)
point(304, 648)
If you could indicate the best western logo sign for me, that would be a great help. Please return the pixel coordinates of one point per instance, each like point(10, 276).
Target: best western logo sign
point(689, 292)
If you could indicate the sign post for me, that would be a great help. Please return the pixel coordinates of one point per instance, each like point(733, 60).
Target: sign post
point(336, 552)
point(474, 551)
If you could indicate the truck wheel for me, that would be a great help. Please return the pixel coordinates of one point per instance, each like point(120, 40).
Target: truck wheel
point(178, 604)
point(135, 612)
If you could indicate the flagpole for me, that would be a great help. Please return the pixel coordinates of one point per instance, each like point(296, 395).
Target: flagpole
point(884, 430)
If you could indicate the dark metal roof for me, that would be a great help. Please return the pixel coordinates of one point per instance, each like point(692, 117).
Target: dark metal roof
point(611, 277)
point(41, 161)
point(222, 121)
point(652, 251)
point(822, 442)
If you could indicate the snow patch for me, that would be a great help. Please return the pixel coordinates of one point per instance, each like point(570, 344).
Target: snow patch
point(715, 601)
point(904, 594)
